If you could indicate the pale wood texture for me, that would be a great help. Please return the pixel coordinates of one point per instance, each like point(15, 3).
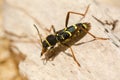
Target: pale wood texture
point(100, 60)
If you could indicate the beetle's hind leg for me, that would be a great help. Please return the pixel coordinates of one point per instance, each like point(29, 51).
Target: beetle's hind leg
point(95, 38)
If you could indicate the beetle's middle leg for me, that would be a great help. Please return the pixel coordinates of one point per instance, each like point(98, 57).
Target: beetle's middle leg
point(72, 54)
point(71, 12)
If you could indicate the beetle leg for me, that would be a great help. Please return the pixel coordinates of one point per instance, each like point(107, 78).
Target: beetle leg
point(72, 54)
point(95, 38)
point(71, 12)
point(51, 28)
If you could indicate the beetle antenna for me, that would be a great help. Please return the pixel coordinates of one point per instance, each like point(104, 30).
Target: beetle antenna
point(38, 32)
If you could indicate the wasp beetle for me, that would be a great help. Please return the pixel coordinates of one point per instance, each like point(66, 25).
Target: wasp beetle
point(62, 35)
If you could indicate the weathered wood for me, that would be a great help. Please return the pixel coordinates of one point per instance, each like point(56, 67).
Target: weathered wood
point(99, 59)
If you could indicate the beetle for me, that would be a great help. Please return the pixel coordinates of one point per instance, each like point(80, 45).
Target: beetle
point(67, 33)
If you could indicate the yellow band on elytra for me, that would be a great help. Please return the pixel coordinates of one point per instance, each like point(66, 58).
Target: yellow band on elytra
point(75, 26)
point(84, 26)
point(63, 37)
point(68, 33)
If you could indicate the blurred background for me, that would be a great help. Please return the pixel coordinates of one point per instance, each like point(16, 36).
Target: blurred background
point(11, 56)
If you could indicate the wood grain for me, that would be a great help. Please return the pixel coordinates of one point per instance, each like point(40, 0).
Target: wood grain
point(99, 59)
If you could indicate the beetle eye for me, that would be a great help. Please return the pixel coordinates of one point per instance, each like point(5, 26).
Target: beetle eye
point(44, 44)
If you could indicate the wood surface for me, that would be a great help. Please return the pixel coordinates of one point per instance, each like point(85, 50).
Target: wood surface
point(99, 59)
